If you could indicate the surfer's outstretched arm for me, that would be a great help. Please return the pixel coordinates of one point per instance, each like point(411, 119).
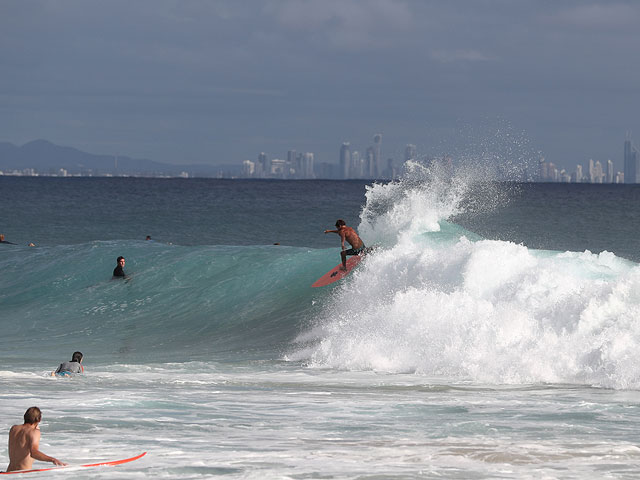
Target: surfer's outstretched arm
point(38, 455)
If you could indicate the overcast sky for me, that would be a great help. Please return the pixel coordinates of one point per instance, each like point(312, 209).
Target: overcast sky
point(221, 81)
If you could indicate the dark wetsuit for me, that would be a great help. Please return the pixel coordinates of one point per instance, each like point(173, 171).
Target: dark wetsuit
point(118, 272)
point(67, 368)
point(8, 243)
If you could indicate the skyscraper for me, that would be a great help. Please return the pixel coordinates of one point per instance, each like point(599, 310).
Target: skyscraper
point(369, 164)
point(292, 164)
point(390, 170)
point(345, 160)
point(598, 174)
point(410, 152)
point(263, 167)
point(278, 168)
point(631, 167)
point(543, 170)
point(377, 155)
point(357, 165)
point(579, 174)
point(248, 168)
point(307, 165)
point(299, 165)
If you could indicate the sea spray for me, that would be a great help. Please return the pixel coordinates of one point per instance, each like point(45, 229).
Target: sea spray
point(481, 310)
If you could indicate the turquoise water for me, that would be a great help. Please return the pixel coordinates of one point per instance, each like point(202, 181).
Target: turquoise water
point(446, 354)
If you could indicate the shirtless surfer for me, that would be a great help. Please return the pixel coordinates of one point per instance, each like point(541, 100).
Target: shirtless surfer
point(24, 443)
point(350, 235)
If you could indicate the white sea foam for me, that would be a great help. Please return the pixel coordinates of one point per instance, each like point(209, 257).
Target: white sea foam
point(488, 311)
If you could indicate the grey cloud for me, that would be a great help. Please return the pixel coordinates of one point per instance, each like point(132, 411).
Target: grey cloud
point(355, 25)
point(597, 15)
point(461, 55)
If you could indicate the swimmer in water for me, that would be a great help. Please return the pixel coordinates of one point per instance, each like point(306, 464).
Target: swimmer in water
point(69, 368)
point(118, 272)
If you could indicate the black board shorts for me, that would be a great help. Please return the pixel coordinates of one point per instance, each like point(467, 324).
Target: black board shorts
point(355, 251)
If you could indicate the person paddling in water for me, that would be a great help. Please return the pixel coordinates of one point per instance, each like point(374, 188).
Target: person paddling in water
point(69, 368)
point(350, 235)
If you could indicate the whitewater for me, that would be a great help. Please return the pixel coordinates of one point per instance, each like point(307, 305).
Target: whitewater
point(448, 352)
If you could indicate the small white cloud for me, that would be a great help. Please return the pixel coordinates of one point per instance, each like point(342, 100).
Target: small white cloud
point(604, 15)
point(449, 56)
point(350, 24)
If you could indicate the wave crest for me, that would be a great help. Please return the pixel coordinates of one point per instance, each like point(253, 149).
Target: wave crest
point(437, 300)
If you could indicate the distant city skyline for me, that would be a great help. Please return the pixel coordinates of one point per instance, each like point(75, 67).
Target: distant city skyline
point(595, 171)
point(349, 165)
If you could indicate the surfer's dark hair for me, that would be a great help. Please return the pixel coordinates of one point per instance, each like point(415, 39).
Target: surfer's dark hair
point(32, 415)
point(76, 357)
point(119, 258)
point(340, 222)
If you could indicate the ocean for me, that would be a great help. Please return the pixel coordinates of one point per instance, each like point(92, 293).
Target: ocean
point(494, 332)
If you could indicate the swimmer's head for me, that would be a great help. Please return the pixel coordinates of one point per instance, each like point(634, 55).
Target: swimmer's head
point(76, 357)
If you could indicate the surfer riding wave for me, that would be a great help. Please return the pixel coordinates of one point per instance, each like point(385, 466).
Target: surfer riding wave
point(351, 236)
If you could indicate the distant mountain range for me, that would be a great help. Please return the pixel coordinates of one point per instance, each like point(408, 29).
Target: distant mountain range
point(48, 158)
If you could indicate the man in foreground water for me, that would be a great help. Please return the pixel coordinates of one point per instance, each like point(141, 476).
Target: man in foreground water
point(24, 443)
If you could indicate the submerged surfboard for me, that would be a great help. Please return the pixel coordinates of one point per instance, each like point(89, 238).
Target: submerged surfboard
point(336, 273)
point(113, 462)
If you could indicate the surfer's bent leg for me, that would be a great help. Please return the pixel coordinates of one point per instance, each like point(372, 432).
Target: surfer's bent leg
point(351, 251)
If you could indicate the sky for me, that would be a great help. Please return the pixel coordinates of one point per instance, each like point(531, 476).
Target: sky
point(221, 81)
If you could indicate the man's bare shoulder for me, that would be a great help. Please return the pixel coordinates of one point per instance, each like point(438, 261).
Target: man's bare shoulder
point(24, 430)
point(352, 233)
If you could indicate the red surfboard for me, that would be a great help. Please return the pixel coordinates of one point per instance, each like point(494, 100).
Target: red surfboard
point(113, 462)
point(336, 273)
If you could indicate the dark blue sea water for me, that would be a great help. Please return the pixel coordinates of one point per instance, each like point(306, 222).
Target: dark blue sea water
point(65, 211)
point(493, 334)
point(558, 216)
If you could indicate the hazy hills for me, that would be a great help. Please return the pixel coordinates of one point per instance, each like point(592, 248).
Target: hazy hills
point(46, 157)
